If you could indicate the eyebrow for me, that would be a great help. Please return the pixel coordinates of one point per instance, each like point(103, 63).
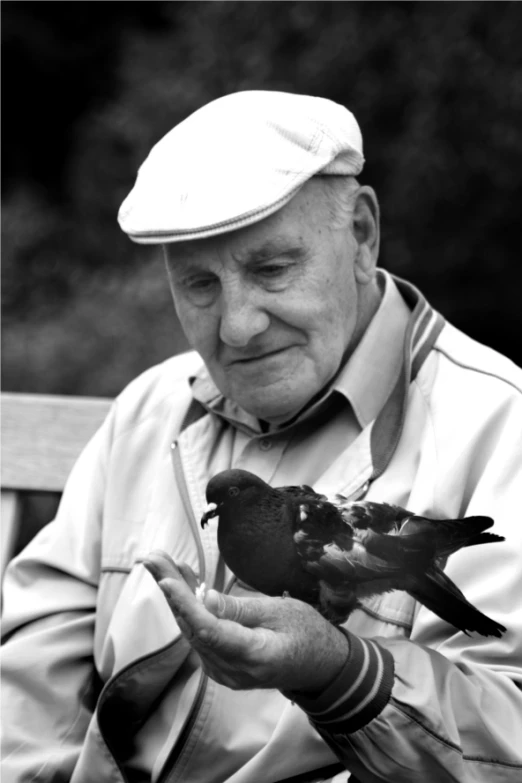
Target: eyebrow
point(270, 249)
point(256, 255)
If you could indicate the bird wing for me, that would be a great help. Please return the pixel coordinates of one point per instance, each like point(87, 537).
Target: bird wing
point(381, 517)
point(447, 535)
point(304, 491)
point(316, 523)
point(441, 595)
point(337, 566)
point(332, 549)
point(418, 549)
point(345, 578)
point(421, 540)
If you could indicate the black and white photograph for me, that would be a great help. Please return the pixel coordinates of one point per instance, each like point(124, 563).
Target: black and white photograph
point(261, 392)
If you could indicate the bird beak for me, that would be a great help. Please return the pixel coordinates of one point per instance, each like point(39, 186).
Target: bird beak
point(210, 512)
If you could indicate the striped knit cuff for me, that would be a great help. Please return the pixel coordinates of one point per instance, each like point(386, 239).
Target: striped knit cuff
point(358, 694)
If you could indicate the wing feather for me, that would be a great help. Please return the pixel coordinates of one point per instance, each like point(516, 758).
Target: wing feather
point(336, 566)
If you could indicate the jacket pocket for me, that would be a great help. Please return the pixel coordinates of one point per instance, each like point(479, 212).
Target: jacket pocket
point(139, 622)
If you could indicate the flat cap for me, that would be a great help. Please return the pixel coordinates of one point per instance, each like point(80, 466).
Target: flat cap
point(235, 161)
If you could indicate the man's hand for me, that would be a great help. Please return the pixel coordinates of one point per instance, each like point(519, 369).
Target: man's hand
point(257, 642)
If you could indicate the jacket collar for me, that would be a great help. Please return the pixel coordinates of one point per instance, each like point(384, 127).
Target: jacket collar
point(385, 425)
point(423, 329)
point(369, 375)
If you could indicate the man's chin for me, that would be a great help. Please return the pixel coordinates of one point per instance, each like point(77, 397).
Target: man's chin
point(274, 397)
point(274, 413)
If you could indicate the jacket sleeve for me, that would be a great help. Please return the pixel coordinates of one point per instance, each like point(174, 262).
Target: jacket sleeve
point(49, 684)
point(441, 705)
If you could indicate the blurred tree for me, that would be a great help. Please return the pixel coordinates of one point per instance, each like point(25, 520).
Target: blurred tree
point(436, 88)
point(61, 60)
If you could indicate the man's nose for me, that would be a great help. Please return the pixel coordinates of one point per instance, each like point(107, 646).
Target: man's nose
point(242, 316)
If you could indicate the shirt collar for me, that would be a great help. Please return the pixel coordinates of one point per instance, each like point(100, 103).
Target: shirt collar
point(365, 381)
point(369, 375)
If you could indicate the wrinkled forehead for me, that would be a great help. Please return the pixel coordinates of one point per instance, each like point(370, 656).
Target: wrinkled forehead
point(290, 230)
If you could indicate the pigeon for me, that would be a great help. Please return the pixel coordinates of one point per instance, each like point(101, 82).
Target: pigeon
point(293, 541)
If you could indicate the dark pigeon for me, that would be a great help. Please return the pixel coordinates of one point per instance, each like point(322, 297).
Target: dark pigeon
point(292, 541)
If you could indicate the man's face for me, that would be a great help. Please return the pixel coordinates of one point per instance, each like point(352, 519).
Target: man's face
point(271, 308)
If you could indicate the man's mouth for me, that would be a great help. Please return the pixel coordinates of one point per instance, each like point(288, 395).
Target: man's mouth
point(259, 356)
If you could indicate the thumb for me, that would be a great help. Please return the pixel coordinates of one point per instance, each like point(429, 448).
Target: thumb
point(249, 612)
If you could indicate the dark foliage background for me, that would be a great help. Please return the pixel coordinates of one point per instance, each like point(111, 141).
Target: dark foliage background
point(88, 87)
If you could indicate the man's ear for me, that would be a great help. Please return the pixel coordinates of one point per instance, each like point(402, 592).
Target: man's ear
point(366, 231)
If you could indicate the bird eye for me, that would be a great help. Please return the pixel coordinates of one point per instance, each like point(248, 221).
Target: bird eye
point(233, 491)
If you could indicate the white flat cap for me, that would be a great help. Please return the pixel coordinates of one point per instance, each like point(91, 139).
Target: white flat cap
point(235, 161)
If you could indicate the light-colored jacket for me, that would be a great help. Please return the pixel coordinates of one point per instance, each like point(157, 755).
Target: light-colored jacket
point(92, 645)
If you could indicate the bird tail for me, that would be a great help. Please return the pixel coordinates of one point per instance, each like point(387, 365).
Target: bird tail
point(465, 532)
point(442, 537)
point(484, 538)
point(438, 593)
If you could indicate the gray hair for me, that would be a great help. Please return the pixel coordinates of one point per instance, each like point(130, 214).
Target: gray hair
point(340, 192)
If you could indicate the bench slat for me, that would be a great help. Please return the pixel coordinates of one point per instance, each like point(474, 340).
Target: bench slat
point(42, 437)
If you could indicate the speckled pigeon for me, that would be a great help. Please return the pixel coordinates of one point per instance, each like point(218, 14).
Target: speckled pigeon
point(293, 541)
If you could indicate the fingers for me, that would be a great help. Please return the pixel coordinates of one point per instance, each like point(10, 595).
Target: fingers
point(178, 584)
point(221, 643)
point(189, 576)
point(217, 627)
point(192, 616)
point(259, 642)
point(201, 626)
point(160, 565)
point(249, 612)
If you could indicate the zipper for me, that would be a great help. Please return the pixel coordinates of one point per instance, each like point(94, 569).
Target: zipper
point(109, 685)
point(186, 731)
point(105, 694)
point(187, 505)
point(202, 686)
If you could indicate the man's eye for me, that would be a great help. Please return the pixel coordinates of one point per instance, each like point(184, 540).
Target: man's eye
point(272, 270)
point(275, 277)
point(199, 283)
point(200, 290)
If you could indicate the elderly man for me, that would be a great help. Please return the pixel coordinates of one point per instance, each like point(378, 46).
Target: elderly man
point(310, 365)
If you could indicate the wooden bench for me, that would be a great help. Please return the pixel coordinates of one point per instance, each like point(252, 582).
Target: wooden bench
point(42, 436)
